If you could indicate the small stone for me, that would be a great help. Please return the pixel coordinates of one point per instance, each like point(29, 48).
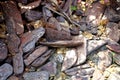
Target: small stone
point(50, 67)
point(32, 15)
point(5, 71)
point(70, 59)
point(114, 76)
point(42, 75)
point(3, 50)
point(97, 75)
point(94, 31)
point(116, 58)
point(94, 45)
point(105, 59)
point(34, 55)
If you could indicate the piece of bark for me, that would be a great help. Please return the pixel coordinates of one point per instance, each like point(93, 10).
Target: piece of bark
point(13, 78)
point(74, 70)
point(112, 31)
point(46, 13)
point(39, 75)
point(70, 43)
point(29, 39)
point(18, 63)
point(31, 5)
point(37, 53)
point(3, 50)
point(5, 71)
point(22, 1)
point(114, 47)
point(32, 15)
point(94, 13)
point(70, 59)
point(50, 67)
point(67, 5)
point(55, 23)
point(13, 42)
point(54, 35)
point(74, 31)
point(11, 11)
point(39, 61)
point(111, 15)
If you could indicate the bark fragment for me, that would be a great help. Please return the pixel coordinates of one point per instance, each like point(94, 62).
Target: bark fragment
point(38, 52)
point(10, 8)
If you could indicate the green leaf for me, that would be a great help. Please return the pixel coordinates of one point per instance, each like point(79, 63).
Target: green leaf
point(73, 8)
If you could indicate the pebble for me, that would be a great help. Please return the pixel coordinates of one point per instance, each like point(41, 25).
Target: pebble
point(114, 76)
point(42, 75)
point(105, 59)
point(70, 59)
point(97, 75)
point(94, 45)
point(5, 71)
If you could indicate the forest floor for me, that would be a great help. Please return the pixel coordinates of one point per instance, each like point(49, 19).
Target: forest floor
point(60, 40)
